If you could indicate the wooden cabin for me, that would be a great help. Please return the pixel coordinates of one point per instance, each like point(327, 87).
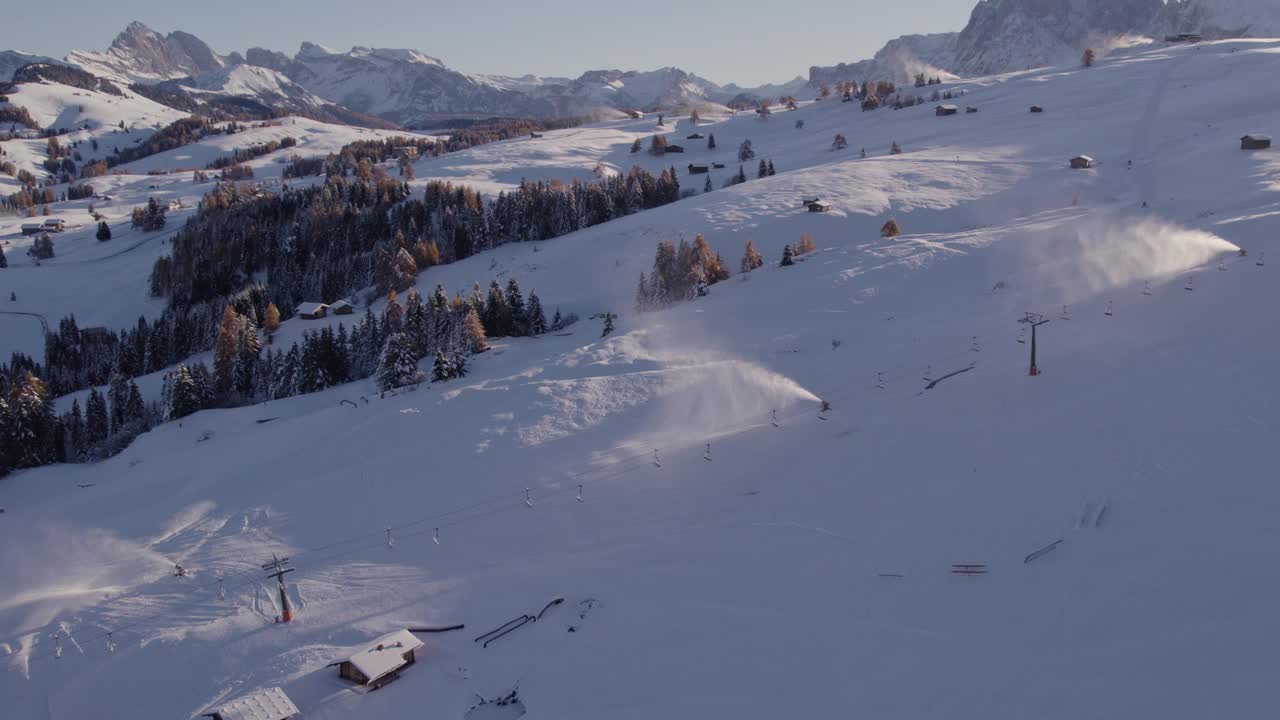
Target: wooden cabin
point(1082, 162)
point(944, 110)
point(342, 307)
point(717, 166)
point(695, 136)
point(406, 152)
point(1183, 37)
point(818, 206)
point(635, 114)
point(268, 704)
point(382, 661)
point(32, 228)
point(698, 169)
point(535, 135)
point(1248, 142)
point(311, 310)
point(1037, 109)
point(53, 224)
point(675, 149)
point(809, 200)
point(970, 109)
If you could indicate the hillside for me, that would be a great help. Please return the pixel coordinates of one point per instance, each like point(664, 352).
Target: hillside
point(735, 553)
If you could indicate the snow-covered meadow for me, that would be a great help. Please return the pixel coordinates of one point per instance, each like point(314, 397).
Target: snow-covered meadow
point(803, 570)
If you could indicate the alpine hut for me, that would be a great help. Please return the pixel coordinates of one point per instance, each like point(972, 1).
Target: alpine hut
point(382, 661)
point(268, 704)
point(311, 310)
point(1081, 162)
point(342, 307)
point(1255, 142)
point(944, 110)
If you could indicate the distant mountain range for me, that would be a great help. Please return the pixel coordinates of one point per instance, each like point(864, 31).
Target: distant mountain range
point(411, 88)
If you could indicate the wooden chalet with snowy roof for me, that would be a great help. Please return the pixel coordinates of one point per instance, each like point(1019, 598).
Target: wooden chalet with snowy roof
point(944, 110)
point(674, 149)
point(1082, 162)
point(312, 310)
point(268, 704)
point(342, 307)
point(697, 169)
point(382, 661)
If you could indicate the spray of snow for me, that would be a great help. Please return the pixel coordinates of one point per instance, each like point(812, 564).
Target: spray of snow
point(904, 66)
point(1105, 44)
point(1110, 252)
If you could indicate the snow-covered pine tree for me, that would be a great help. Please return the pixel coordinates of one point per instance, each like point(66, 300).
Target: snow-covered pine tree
point(441, 369)
point(608, 325)
point(30, 425)
point(73, 421)
point(519, 313)
point(537, 318)
point(225, 350)
point(117, 395)
point(97, 423)
point(185, 395)
point(104, 231)
point(135, 410)
point(745, 151)
point(497, 314)
point(4, 262)
point(399, 366)
point(416, 324)
point(711, 141)
point(557, 323)
point(787, 257)
point(644, 296)
point(771, 170)
point(706, 187)
point(763, 171)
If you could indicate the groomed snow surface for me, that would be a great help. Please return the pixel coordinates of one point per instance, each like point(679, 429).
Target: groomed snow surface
point(804, 570)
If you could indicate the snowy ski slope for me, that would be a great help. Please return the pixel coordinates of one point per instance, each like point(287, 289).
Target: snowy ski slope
point(804, 569)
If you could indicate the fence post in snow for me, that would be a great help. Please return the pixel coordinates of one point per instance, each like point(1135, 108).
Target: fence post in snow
point(57, 644)
point(974, 346)
point(656, 461)
point(528, 501)
point(222, 593)
point(773, 418)
point(435, 536)
point(1108, 311)
point(1189, 285)
point(111, 646)
point(580, 493)
point(707, 455)
point(880, 380)
point(1146, 288)
point(1260, 261)
point(391, 542)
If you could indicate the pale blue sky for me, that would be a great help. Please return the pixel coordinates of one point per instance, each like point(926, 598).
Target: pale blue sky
point(722, 40)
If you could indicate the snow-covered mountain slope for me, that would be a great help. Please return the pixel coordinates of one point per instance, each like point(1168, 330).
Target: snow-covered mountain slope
point(1012, 35)
point(804, 570)
point(140, 54)
point(11, 60)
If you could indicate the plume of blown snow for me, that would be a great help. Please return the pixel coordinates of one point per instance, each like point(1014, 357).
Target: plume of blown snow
point(1090, 257)
point(904, 66)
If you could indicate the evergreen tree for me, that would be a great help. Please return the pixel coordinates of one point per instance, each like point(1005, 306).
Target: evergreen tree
point(787, 258)
point(751, 258)
point(117, 395)
point(608, 324)
point(399, 364)
point(745, 151)
point(135, 411)
point(104, 231)
point(29, 427)
point(74, 424)
point(458, 363)
point(248, 348)
point(771, 170)
point(415, 323)
point(96, 423)
point(706, 187)
point(1088, 57)
point(519, 314)
point(741, 177)
point(890, 229)
point(711, 141)
point(636, 146)
point(763, 171)
point(644, 296)
point(4, 262)
point(185, 396)
point(557, 322)
point(441, 369)
point(497, 314)
point(536, 317)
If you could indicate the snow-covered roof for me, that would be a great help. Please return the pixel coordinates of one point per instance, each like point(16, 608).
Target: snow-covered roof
point(32, 226)
point(385, 654)
point(53, 221)
point(310, 308)
point(268, 704)
point(1256, 136)
point(1086, 158)
point(340, 304)
point(948, 107)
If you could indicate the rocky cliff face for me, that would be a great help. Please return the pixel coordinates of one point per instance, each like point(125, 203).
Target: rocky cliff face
point(140, 54)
